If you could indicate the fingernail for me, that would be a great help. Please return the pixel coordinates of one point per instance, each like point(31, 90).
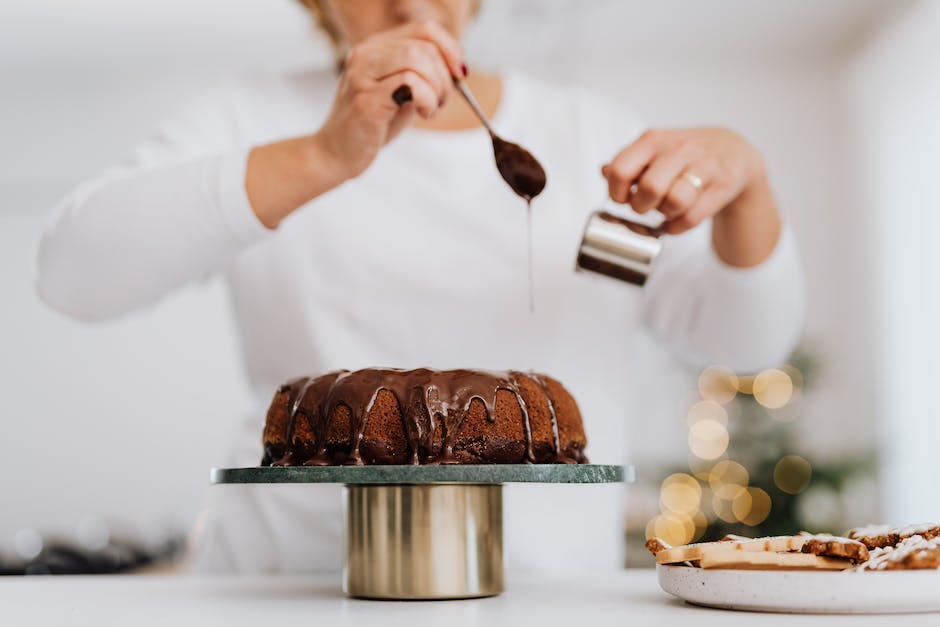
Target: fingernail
point(402, 95)
point(463, 68)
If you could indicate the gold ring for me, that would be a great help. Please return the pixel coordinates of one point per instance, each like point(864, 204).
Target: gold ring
point(693, 179)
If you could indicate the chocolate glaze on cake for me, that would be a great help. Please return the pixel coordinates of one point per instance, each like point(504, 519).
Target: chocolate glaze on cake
point(392, 416)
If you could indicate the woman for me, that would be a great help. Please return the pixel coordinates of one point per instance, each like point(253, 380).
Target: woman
point(355, 231)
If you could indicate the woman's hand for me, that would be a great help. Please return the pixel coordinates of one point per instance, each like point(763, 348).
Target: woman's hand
point(371, 107)
point(414, 62)
point(691, 175)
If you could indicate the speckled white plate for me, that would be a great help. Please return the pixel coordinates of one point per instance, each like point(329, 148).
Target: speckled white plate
point(805, 592)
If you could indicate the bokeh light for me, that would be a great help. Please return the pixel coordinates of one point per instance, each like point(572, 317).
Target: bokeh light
point(718, 384)
point(708, 439)
point(724, 507)
point(751, 506)
point(707, 410)
point(773, 388)
point(726, 477)
point(672, 528)
point(792, 474)
point(716, 487)
point(680, 493)
point(745, 384)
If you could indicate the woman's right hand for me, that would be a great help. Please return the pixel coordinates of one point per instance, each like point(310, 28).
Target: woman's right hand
point(283, 176)
point(365, 116)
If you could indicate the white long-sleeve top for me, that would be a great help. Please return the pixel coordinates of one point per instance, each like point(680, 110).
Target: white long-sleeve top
point(420, 261)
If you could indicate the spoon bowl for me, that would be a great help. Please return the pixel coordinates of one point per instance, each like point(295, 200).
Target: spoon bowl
point(524, 174)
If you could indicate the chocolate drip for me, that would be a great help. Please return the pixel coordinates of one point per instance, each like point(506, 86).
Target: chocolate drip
point(296, 389)
point(317, 388)
point(531, 270)
point(431, 403)
point(556, 437)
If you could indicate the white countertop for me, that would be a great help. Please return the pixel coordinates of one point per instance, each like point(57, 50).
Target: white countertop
point(630, 597)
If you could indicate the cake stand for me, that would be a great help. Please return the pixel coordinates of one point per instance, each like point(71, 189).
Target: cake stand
point(425, 532)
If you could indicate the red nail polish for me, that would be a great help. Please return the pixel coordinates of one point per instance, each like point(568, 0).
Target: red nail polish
point(463, 68)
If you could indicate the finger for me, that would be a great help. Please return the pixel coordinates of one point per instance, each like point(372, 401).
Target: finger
point(436, 69)
point(617, 189)
point(415, 55)
point(423, 98)
point(626, 168)
point(436, 34)
point(654, 183)
point(712, 200)
point(683, 193)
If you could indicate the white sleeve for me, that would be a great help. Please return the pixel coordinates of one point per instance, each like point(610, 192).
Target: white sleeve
point(743, 318)
point(176, 211)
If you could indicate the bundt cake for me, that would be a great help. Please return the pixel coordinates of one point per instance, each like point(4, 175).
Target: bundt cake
point(391, 416)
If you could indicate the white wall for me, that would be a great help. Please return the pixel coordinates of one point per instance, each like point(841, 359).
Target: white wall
point(893, 94)
point(124, 419)
point(120, 420)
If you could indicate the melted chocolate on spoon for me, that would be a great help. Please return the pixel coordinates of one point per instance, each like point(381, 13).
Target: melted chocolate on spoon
point(519, 168)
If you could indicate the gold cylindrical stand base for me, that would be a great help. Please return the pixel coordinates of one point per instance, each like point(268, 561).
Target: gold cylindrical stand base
point(434, 541)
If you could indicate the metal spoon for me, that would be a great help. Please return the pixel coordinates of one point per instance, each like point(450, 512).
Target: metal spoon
point(524, 174)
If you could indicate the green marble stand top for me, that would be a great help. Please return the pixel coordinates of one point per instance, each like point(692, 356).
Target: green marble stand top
point(452, 473)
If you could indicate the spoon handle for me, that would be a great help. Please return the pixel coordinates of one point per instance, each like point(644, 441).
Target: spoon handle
point(468, 96)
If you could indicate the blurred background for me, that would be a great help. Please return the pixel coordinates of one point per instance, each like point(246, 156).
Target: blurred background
point(111, 428)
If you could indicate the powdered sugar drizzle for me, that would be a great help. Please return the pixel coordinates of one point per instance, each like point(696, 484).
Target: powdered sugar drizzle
point(921, 529)
point(909, 548)
point(869, 530)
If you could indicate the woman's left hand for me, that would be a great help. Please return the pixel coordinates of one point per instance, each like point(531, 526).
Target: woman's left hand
point(689, 175)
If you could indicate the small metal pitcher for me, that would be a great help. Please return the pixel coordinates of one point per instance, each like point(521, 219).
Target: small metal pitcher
point(619, 248)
